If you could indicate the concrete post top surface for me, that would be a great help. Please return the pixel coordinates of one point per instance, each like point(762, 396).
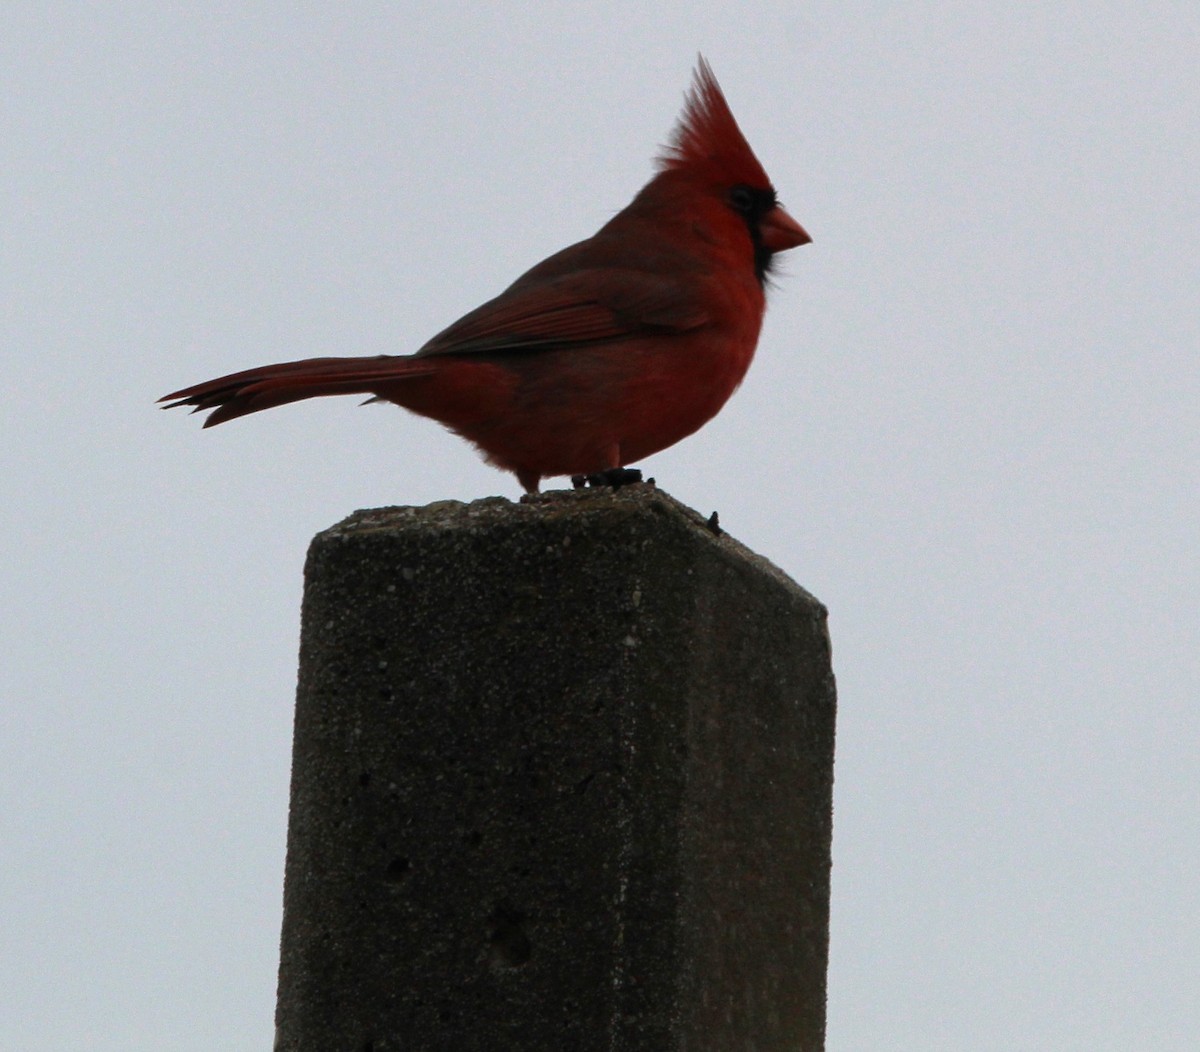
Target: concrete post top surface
point(597, 507)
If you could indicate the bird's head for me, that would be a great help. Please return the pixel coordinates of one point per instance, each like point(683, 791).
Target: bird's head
point(708, 147)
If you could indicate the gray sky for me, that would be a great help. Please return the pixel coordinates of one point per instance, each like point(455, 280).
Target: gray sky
point(970, 430)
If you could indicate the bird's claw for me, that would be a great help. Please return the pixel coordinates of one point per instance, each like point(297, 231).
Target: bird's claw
point(614, 478)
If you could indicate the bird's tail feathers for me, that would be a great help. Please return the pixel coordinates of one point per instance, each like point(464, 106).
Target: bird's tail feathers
point(270, 385)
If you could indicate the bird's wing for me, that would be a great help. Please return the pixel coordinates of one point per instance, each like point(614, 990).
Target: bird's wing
point(582, 307)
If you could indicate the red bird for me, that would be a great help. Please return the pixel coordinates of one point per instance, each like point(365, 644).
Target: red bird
point(608, 351)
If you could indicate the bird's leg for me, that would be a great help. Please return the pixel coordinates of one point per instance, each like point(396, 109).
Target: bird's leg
point(530, 481)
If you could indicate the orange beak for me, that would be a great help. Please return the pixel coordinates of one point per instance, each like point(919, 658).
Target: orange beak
point(781, 232)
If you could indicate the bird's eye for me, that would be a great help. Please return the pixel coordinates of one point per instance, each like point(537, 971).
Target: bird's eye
point(741, 199)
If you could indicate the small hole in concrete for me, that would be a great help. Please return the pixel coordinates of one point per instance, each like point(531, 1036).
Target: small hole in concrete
point(508, 946)
point(364, 779)
point(396, 870)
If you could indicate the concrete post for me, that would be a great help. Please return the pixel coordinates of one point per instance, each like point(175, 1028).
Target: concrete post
point(561, 782)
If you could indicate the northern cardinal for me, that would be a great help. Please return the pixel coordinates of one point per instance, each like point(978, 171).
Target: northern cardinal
point(607, 351)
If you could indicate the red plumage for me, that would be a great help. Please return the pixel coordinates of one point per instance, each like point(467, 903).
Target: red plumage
point(607, 351)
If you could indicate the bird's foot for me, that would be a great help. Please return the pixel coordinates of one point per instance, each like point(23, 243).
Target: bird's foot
point(614, 478)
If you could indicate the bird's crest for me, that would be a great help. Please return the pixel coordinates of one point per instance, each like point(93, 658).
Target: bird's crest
point(707, 135)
